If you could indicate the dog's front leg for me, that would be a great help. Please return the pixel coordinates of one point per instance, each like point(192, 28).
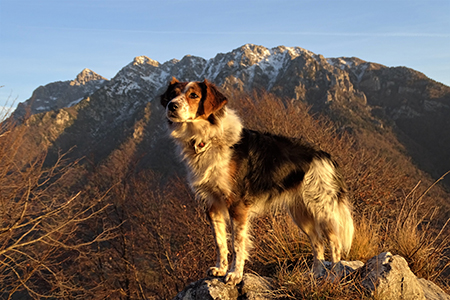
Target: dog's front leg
point(218, 216)
point(239, 218)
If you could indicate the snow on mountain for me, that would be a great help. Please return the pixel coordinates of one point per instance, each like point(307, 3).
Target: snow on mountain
point(144, 79)
point(242, 64)
point(354, 65)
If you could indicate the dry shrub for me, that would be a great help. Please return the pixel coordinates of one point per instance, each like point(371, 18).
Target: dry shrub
point(377, 173)
point(56, 242)
point(43, 222)
point(295, 281)
point(163, 240)
point(367, 241)
point(179, 247)
point(278, 240)
point(413, 236)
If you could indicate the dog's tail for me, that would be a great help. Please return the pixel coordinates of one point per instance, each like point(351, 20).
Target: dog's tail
point(346, 229)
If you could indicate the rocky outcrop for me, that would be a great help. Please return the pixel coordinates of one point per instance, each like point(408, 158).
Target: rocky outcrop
point(385, 276)
point(389, 277)
point(252, 287)
point(416, 106)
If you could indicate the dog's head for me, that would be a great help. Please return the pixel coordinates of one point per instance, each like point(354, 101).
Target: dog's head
point(192, 101)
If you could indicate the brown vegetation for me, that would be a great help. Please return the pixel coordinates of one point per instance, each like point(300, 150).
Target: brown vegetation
point(45, 225)
point(111, 231)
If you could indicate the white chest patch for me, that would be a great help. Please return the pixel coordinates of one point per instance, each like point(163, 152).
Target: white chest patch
point(206, 150)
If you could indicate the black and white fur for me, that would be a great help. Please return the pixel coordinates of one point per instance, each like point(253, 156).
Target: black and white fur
point(239, 173)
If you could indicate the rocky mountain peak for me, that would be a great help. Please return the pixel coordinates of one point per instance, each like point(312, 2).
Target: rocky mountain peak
point(60, 94)
point(348, 88)
point(141, 60)
point(251, 54)
point(85, 76)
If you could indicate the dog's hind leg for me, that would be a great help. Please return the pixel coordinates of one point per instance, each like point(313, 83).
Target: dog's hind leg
point(319, 254)
point(218, 217)
point(340, 234)
point(336, 250)
point(335, 247)
point(306, 223)
point(239, 214)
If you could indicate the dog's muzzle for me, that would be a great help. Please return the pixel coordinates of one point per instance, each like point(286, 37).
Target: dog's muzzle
point(172, 107)
point(172, 111)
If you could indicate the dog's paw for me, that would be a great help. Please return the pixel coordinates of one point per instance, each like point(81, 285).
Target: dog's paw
point(217, 272)
point(233, 278)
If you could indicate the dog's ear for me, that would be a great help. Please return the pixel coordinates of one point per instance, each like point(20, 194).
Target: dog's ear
point(166, 97)
point(212, 99)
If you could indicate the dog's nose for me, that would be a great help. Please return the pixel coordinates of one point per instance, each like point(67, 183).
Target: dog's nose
point(173, 106)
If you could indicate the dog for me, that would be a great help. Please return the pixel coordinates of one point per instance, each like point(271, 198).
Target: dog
point(239, 173)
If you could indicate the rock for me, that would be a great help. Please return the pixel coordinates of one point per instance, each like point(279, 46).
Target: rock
point(252, 287)
point(255, 287)
point(349, 266)
point(389, 277)
point(343, 267)
point(432, 291)
point(385, 276)
point(208, 288)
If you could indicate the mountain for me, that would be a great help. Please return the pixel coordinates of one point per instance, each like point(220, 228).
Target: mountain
point(61, 94)
point(416, 106)
point(98, 116)
point(385, 126)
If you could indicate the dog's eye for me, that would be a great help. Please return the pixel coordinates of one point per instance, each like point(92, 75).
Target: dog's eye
point(193, 95)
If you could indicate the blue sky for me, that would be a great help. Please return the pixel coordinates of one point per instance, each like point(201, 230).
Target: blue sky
point(43, 41)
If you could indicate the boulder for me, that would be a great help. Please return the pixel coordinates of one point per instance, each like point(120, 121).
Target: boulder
point(252, 287)
point(385, 276)
point(342, 268)
point(431, 291)
point(389, 277)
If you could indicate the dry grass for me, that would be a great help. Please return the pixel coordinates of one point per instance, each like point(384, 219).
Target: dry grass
point(411, 236)
point(385, 218)
point(297, 282)
point(368, 238)
point(162, 240)
point(279, 239)
point(414, 237)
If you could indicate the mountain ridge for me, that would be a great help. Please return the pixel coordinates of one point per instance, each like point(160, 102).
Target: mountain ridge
point(60, 94)
point(352, 92)
point(253, 58)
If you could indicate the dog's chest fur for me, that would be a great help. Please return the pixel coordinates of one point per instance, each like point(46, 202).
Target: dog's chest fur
point(206, 149)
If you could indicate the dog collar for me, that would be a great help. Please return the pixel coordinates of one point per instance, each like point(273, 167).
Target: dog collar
point(199, 147)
